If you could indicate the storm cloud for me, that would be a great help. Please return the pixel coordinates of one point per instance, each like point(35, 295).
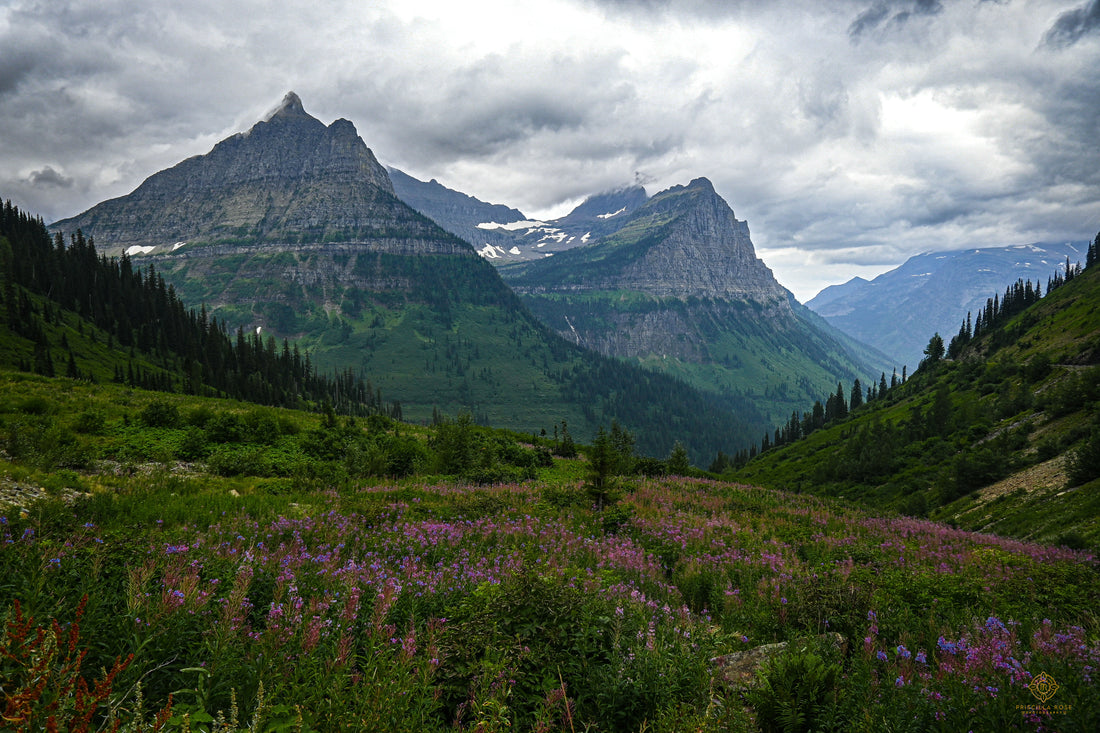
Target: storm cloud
point(850, 134)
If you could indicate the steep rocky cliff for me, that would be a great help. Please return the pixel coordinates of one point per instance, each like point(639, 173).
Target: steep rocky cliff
point(502, 235)
point(459, 213)
point(288, 179)
point(679, 287)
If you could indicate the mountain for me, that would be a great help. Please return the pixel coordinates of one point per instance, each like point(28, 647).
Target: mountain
point(459, 214)
point(292, 230)
point(289, 179)
point(503, 235)
point(1004, 438)
point(678, 287)
point(898, 311)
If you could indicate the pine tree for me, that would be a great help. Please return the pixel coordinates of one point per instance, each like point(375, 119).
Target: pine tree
point(934, 351)
point(678, 463)
point(856, 399)
point(601, 462)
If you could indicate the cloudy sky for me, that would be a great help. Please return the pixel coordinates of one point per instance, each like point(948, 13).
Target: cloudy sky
point(850, 134)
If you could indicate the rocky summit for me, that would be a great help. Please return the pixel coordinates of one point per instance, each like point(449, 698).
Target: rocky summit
point(679, 288)
point(289, 179)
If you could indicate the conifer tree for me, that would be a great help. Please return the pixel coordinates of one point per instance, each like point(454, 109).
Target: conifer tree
point(856, 399)
point(678, 463)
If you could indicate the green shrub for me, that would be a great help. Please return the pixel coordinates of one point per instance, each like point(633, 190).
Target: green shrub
point(45, 444)
point(1083, 464)
point(798, 692)
point(238, 461)
point(160, 414)
point(225, 427)
point(34, 406)
point(199, 416)
point(90, 422)
point(193, 445)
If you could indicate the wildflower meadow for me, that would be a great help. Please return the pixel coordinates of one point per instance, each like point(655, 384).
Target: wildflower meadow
point(417, 606)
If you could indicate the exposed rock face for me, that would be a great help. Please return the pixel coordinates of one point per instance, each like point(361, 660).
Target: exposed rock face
point(502, 235)
point(684, 243)
point(706, 253)
point(679, 287)
point(288, 179)
point(458, 213)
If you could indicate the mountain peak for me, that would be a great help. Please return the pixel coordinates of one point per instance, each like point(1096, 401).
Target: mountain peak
point(702, 183)
point(289, 178)
point(291, 106)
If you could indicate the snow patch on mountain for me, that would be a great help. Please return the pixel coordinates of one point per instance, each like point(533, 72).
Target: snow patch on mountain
point(513, 226)
point(137, 249)
point(490, 252)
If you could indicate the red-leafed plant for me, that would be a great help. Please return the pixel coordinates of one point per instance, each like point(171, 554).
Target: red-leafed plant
point(41, 681)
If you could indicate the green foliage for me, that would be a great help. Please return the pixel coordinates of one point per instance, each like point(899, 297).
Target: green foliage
point(799, 692)
point(677, 463)
point(1006, 400)
point(1084, 462)
point(90, 422)
point(160, 414)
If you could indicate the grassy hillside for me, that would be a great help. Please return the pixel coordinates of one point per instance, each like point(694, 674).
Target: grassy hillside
point(1000, 439)
point(301, 595)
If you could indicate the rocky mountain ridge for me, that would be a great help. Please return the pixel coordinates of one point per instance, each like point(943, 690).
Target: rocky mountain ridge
point(679, 288)
point(288, 179)
point(503, 235)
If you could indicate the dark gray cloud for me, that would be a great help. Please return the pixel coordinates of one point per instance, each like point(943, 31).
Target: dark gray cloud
point(49, 178)
point(1072, 25)
point(884, 14)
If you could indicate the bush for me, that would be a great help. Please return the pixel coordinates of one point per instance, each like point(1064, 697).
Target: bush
point(224, 427)
point(194, 445)
point(1084, 463)
point(90, 422)
point(160, 414)
point(798, 692)
point(198, 416)
point(238, 461)
point(34, 406)
point(45, 444)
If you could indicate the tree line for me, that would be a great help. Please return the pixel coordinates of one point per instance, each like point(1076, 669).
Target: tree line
point(139, 312)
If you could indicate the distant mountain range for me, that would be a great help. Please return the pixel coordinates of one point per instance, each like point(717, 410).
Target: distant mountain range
point(900, 310)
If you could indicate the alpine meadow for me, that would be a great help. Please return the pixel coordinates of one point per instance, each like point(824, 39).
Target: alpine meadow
point(285, 449)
